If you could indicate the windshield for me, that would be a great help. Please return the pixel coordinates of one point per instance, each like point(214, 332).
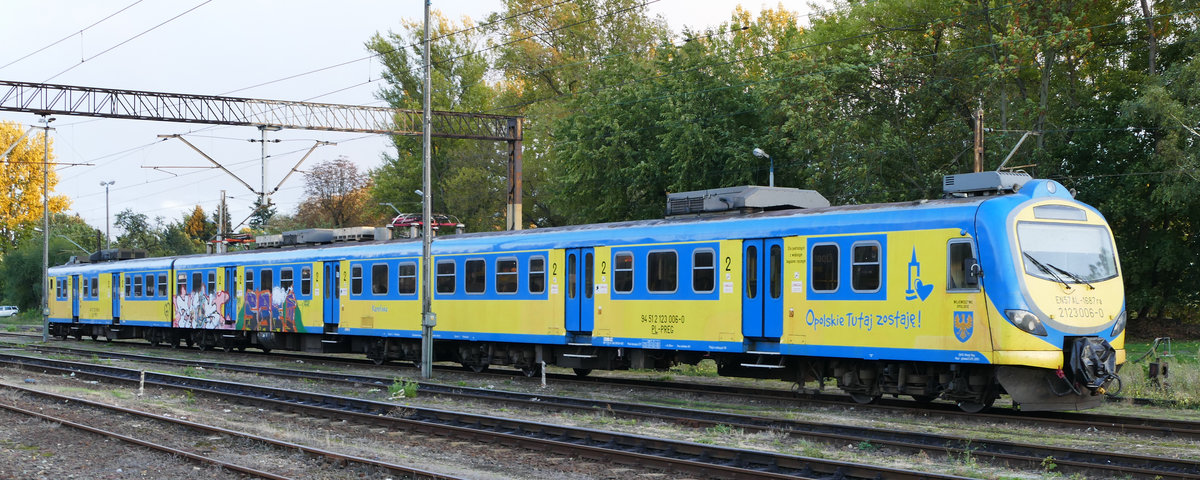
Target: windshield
point(1082, 253)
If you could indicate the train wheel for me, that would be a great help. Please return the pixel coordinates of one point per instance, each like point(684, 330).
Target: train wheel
point(582, 372)
point(531, 371)
point(78, 336)
point(94, 337)
point(381, 361)
point(924, 398)
point(971, 406)
point(478, 368)
point(265, 349)
point(863, 398)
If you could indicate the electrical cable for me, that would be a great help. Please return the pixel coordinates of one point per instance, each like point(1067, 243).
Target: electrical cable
point(80, 32)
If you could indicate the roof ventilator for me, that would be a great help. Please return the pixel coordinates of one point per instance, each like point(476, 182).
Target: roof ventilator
point(983, 183)
point(743, 199)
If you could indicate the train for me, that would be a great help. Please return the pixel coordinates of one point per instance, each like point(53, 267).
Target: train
point(1006, 285)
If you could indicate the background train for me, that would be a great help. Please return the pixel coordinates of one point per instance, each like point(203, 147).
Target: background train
point(1008, 285)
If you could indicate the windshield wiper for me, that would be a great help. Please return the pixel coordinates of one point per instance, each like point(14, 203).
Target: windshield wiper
point(1046, 269)
point(1073, 276)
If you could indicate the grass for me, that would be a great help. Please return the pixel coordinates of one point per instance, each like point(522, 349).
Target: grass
point(28, 317)
point(1182, 384)
point(403, 388)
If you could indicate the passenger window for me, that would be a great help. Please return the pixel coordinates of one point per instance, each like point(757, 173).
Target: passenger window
point(445, 276)
point(959, 266)
point(662, 271)
point(137, 286)
point(476, 276)
point(249, 280)
point(775, 268)
point(506, 275)
point(751, 272)
point(95, 287)
point(407, 278)
point(865, 268)
point(197, 282)
point(704, 272)
point(266, 280)
point(286, 279)
point(623, 272)
point(379, 279)
point(588, 275)
point(824, 264)
point(572, 273)
point(128, 286)
point(162, 285)
point(149, 285)
point(85, 288)
point(356, 282)
point(306, 281)
point(212, 283)
point(537, 275)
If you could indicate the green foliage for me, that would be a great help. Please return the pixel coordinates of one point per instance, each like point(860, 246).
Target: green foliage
point(403, 388)
point(22, 271)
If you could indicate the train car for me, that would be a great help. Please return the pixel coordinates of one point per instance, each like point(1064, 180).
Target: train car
point(109, 299)
point(1008, 285)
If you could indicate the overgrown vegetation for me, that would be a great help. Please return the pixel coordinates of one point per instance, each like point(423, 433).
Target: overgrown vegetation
point(403, 388)
point(1181, 386)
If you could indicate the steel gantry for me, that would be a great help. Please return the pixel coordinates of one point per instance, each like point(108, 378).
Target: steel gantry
point(50, 99)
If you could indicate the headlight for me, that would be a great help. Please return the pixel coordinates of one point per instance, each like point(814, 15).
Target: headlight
point(1119, 326)
point(1026, 321)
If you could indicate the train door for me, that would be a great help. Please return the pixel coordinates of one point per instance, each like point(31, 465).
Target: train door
point(580, 314)
point(116, 297)
point(231, 304)
point(330, 295)
point(762, 290)
point(75, 297)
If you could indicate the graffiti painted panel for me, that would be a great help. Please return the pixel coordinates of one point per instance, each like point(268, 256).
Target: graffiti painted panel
point(270, 310)
point(202, 310)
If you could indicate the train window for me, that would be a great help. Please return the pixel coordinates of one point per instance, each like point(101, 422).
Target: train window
point(407, 276)
point(476, 276)
point(775, 268)
point(864, 270)
point(445, 276)
point(960, 259)
point(149, 284)
point(181, 283)
point(212, 283)
point(162, 285)
point(824, 262)
point(588, 276)
point(506, 275)
point(356, 280)
point(704, 272)
point(85, 288)
point(286, 279)
point(572, 273)
point(266, 280)
point(379, 279)
point(306, 281)
point(249, 280)
point(662, 271)
point(537, 275)
point(137, 286)
point(623, 272)
point(95, 287)
point(197, 282)
point(751, 272)
point(128, 286)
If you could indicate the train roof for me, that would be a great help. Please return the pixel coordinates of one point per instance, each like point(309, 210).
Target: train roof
point(954, 212)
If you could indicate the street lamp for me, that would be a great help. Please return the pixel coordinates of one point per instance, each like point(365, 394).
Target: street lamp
point(758, 152)
point(106, 185)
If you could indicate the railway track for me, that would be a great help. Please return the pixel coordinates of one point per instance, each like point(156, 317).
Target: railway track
point(1023, 455)
point(681, 458)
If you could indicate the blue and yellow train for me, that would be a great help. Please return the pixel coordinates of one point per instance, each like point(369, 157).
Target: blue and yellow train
point(1008, 288)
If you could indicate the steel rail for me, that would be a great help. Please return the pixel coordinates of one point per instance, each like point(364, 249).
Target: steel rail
point(1032, 456)
point(675, 456)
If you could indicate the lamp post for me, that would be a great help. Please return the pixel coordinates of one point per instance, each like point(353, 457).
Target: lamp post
point(106, 217)
point(46, 228)
point(758, 152)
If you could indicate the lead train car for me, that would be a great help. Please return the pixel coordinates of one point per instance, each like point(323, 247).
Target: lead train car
point(960, 298)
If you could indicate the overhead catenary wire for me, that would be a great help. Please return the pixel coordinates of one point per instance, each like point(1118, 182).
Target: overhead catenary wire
point(72, 34)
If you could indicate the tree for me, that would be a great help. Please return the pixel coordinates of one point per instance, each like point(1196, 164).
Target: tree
point(261, 216)
point(22, 270)
point(469, 176)
point(137, 231)
point(197, 226)
point(21, 180)
point(332, 190)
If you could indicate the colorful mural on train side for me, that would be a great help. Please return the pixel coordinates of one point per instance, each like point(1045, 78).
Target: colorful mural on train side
point(260, 310)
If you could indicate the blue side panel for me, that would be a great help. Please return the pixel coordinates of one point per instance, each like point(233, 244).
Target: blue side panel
point(752, 297)
point(772, 284)
point(877, 353)
point(452, 335)
point(144, 323)
point(667, 344)
point(59, 320)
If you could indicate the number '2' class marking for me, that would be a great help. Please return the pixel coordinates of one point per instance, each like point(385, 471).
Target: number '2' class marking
point(728, 262)
point(604, 268)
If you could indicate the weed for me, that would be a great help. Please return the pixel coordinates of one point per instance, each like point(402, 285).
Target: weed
point(722, 429)
point(1048, 464)
point(865, 446)
point(403, 388)
point(189, 397)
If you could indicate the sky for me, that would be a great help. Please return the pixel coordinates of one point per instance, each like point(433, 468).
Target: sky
point(221, 47)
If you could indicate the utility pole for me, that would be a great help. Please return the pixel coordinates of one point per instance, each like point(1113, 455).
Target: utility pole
point(221, 225)
point(262, 194)
point(106, 217)
point(428, 319)
point(46, 229)
point(979, 139)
